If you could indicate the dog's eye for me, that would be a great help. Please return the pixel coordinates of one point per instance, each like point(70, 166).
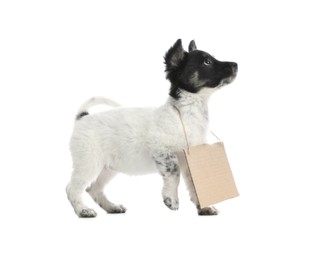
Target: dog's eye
point(207, 61)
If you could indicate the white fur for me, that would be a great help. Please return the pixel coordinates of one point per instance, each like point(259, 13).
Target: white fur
point(97, 101)
point(131, 141)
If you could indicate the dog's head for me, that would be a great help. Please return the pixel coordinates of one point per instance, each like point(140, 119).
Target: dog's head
point(194, 70)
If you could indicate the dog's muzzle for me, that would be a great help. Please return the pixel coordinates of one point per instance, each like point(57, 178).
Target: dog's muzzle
point(230, 79)
point(234, 67)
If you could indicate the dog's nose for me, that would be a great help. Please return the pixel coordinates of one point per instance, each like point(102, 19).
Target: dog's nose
point(234, 66)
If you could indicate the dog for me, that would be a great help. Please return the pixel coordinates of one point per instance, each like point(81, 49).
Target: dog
point(145, 140)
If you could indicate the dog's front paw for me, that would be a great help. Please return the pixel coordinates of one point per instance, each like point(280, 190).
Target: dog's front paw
point(208, 211)
point(172, 204)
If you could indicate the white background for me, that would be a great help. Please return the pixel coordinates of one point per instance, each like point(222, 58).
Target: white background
point(56, 54)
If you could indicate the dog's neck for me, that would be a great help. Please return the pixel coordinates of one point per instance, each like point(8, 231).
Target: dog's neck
point(192, 104)
point(188, 99)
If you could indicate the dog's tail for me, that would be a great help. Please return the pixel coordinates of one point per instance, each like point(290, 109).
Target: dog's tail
point(83, 110)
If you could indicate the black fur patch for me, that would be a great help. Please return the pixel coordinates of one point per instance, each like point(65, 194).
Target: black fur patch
point(192, 46)
point(81, 115)
point(194, 70)
point(167, 164)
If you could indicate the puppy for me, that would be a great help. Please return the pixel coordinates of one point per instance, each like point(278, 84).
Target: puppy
point(144, 140)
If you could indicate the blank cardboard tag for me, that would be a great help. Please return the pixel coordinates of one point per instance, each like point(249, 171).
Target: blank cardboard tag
point(211, 173)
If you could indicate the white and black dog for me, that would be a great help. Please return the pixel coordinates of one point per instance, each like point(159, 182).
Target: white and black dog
point(145, 140)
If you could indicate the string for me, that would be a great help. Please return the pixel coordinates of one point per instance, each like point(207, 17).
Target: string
point(216, 137)
point(184, 131)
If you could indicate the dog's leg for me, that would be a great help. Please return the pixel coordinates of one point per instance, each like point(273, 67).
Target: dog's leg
point(85, 172)
point(74, 190)
point(201, 211)
point(168, 167)
point(189, 184)
point(96, 192)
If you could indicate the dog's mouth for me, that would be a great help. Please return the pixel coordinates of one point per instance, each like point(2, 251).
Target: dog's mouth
point(231, 78)
point(228, 80)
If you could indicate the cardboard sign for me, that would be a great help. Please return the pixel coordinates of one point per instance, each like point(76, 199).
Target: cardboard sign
point(211, 173)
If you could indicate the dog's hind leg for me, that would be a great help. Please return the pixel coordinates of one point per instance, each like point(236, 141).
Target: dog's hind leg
point(75, 190)
point(96, 192)
point(85, 172)
point(168, 167)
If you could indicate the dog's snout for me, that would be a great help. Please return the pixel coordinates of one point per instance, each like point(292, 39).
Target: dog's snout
point(234, 66)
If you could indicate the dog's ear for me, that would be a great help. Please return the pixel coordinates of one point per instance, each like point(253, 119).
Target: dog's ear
point(174, 55)
point(192, 46)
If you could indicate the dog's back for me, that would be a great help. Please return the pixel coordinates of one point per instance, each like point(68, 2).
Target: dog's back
point(118, 138)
